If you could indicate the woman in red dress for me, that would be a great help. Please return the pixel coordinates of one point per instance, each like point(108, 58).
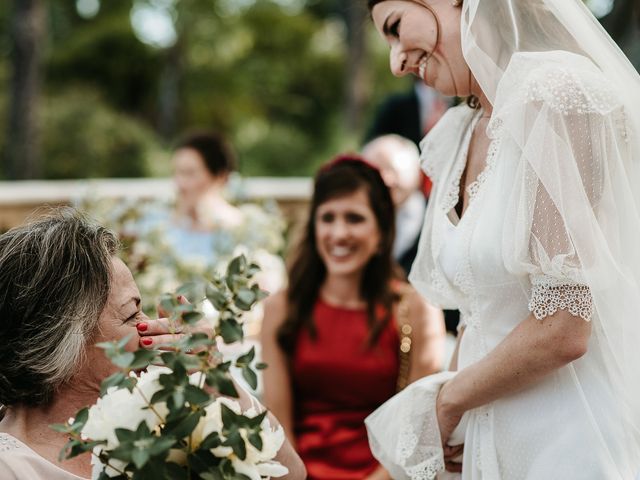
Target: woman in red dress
point(331, 340)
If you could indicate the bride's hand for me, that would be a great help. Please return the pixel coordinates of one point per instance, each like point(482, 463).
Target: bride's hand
point(448, 420)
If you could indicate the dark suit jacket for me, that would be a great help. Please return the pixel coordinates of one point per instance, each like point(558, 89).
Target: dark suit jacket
point(399, 114)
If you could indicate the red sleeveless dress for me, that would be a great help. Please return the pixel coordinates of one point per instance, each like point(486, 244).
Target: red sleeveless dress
point(337, 382)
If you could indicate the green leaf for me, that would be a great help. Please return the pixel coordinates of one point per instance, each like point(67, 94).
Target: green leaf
point(140, 457)
point(125, 435)
point(169, 359)
point(256, 440)
point(197, 340)
point(193, 291)
point(247, 358)
point(236, 442)
point(123, 360)
point(253, 269)
point(202, 461)
point(168, 303)
point(259, 293)
point(229, 417)
point(250, 376)
point(197, 396)
point(61, 428)
point(191, 317)
point(237, 265)
point(185, 425)
point(261, 366)
point(255, 422)
point(211, 441)
point(161, 446)
point(114, 380)
point(231, 331)
point(222, 381)
point(143, 358)
point(124, 341)
point(176, 472)
point(245, 298)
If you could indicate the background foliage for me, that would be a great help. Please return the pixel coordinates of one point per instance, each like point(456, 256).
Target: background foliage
point(291, 82)
point(269, 74)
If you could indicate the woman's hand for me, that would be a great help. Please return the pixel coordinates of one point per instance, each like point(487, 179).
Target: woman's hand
point(162, 333)
point(448, 419)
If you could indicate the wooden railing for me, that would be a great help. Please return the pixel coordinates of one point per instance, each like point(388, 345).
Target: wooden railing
point(20, 199)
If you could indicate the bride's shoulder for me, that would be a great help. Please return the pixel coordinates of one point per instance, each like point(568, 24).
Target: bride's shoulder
point(564, 82)
point(438, 147)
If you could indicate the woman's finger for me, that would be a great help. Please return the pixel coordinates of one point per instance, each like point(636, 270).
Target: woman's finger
point(182, 300)
point(161, 326)
point(160, 342)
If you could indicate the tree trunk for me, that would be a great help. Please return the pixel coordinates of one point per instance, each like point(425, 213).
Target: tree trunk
point(355, 15)
point(169, 92)
point(27, 34)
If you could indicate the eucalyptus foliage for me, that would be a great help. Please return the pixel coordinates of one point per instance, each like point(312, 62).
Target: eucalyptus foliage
point(192, 385)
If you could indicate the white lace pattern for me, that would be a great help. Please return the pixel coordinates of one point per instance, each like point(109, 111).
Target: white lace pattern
point(549, 295)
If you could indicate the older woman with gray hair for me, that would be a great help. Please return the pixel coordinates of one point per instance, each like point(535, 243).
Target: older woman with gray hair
point(62, 291)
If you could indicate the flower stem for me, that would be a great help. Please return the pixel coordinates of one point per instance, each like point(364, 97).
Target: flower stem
point(150, 405)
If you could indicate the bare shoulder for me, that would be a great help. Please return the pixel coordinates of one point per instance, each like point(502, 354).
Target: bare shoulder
point(275, 308)
point(411, 297)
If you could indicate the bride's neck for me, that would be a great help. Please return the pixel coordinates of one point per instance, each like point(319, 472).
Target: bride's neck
point(485, 104)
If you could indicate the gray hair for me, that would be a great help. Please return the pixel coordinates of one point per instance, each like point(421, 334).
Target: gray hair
point(55, 275)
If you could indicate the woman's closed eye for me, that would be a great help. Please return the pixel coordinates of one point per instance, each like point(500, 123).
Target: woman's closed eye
point(133, 317)
point(393, 29)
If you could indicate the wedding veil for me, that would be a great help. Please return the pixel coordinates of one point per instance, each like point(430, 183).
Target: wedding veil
point(578, 138)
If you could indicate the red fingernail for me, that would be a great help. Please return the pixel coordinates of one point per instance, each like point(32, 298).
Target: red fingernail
point(147, 341)
point(142, 327)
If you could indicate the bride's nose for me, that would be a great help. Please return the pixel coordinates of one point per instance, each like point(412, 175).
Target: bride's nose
point(398, 62)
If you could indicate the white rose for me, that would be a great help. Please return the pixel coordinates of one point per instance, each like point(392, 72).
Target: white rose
point(119, 408)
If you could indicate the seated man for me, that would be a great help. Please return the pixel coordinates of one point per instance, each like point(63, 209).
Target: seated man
point(399, 162)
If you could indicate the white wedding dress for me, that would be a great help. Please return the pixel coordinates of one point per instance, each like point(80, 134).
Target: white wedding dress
point(527, 242)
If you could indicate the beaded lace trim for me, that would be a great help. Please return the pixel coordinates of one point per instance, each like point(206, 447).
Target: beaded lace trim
point(494, 133)
point(453, 194)
point(550, 295)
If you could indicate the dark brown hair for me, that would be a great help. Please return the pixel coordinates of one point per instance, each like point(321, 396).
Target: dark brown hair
point(217, 154)
point(472, 101)
point(343, 176)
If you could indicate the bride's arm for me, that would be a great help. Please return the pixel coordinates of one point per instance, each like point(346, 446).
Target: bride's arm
point(534, 349)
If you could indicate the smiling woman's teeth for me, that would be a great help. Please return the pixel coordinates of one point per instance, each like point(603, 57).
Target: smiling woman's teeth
point(422, 67)
point(340, 251)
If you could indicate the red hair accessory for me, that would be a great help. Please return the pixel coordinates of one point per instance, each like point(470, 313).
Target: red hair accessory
point(347, 157)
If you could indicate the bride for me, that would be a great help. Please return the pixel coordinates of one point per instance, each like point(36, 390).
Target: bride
point(531, 232)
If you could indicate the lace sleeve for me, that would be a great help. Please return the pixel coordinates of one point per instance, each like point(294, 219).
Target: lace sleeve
point(565, 128)
point(548, 295)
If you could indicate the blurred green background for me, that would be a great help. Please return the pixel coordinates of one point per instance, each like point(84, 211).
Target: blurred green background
point(101, 88)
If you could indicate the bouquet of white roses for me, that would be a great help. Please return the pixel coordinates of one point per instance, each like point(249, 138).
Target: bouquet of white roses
point(182, 419)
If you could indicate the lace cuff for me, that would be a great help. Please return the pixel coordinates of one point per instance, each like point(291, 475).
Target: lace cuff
point(404, 435)
point(548, 295)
